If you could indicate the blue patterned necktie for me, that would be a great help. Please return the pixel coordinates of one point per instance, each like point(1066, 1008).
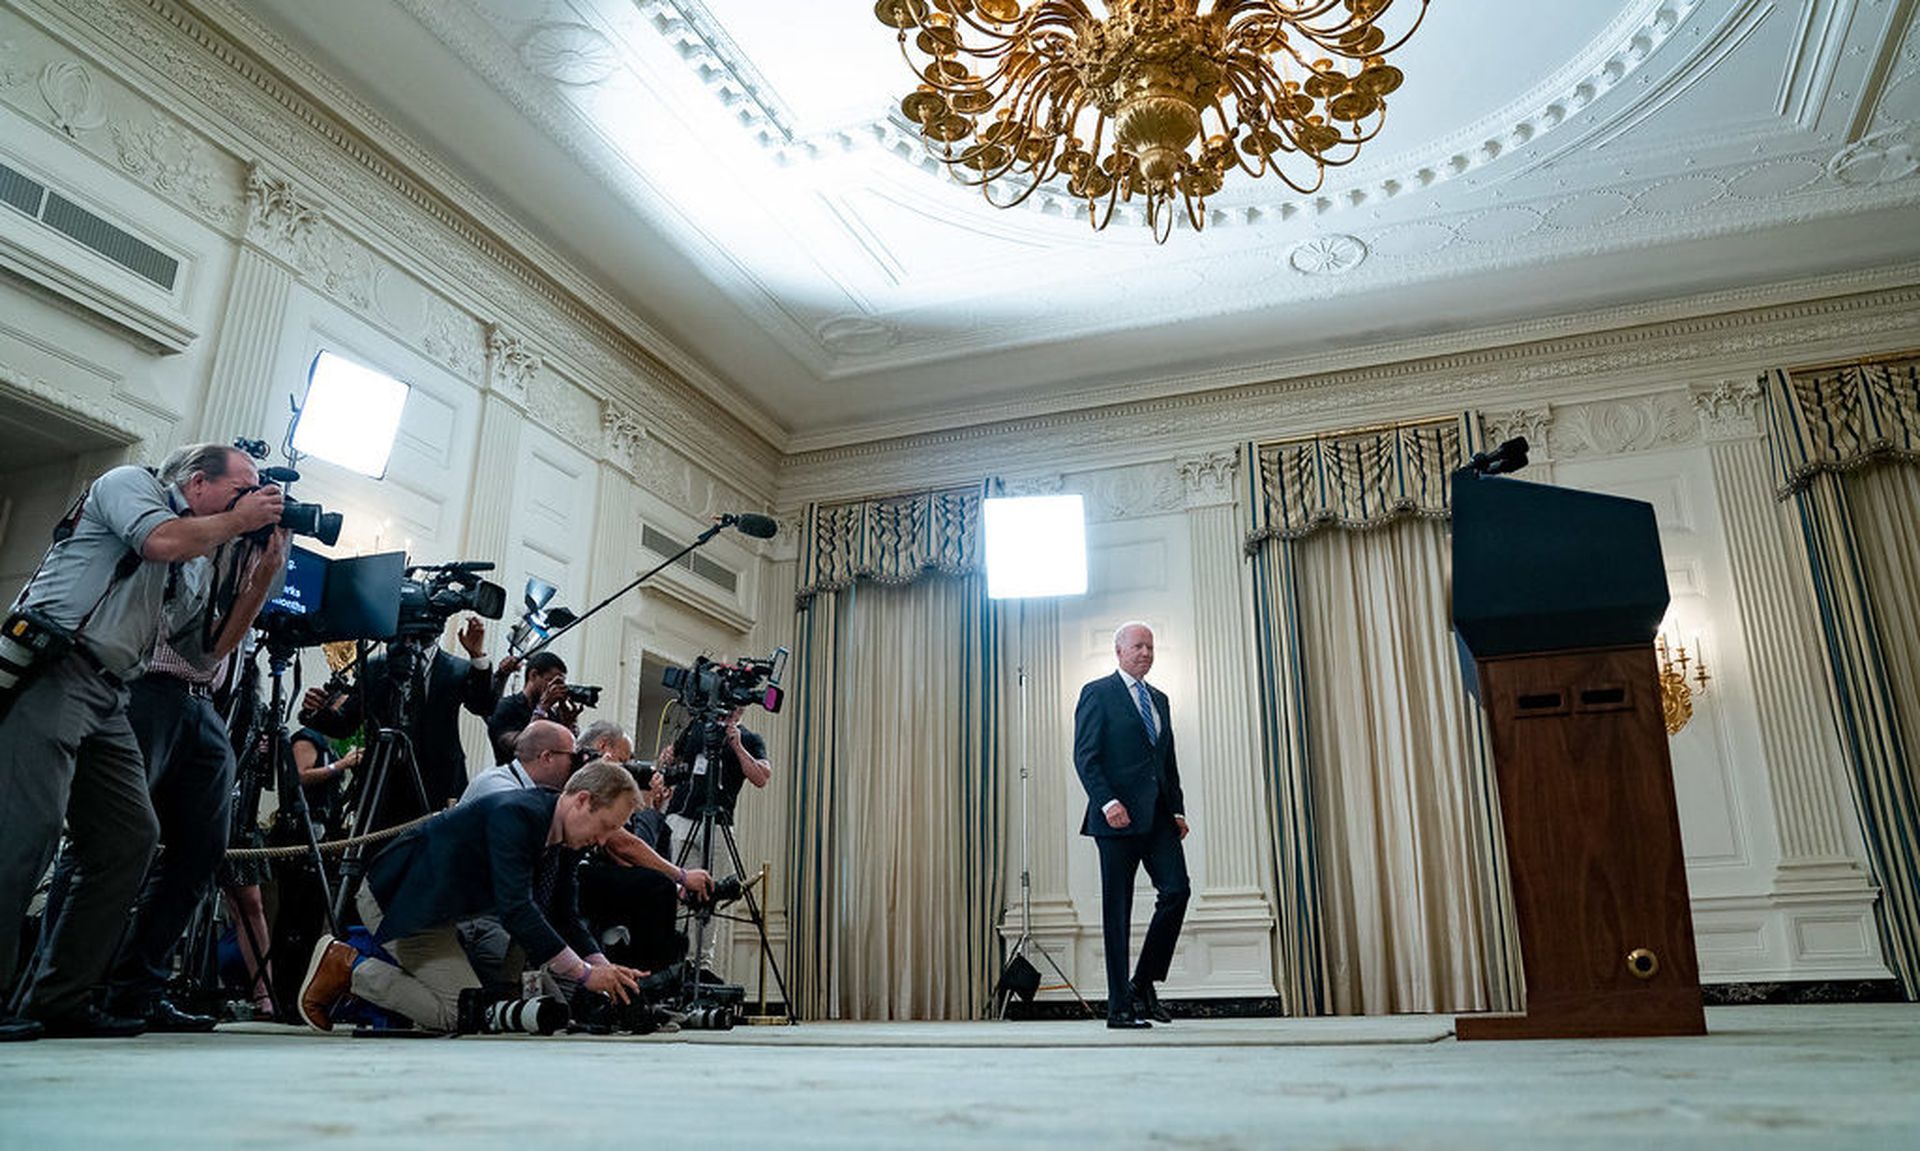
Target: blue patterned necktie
point(1145, 702)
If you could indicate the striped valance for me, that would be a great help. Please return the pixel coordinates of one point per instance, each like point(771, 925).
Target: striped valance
point(1359, 478)
point(895, 539)
point(1838, 419)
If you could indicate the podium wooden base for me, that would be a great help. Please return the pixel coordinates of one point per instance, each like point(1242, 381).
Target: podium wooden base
point(1598, 1017)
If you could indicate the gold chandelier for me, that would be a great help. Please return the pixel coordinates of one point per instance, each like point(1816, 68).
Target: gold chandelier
point(1156, 101)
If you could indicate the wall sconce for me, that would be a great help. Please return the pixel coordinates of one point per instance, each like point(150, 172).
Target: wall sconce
point(1676, 694)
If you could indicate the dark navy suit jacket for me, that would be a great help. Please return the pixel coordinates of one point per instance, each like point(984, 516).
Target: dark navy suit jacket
point(1117, 761)
point(480, 858)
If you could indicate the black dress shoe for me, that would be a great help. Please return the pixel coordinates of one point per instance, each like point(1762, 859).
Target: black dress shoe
point(1128, 1022)
point(92, 1023)
point(164, 1016)
point(1146, 1004)
point(19, 1030)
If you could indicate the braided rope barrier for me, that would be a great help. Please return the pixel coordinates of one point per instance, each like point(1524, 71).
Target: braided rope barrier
point(332, 847)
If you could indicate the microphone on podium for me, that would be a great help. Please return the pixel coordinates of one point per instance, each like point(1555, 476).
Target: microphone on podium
point(758, 526)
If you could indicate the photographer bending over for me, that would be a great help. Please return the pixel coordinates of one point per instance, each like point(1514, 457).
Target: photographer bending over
point(129, 565)
point(512, 854)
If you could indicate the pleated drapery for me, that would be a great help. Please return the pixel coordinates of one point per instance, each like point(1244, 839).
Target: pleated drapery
point(1389, 860)
point(1846, 450)
point(899, 820)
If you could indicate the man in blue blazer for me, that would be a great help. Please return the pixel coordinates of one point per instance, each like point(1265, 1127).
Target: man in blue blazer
point(1123, 750)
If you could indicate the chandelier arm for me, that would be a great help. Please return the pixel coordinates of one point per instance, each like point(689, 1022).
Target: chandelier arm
point(1160, 236)
point(1404, 36)
point(1198, 221)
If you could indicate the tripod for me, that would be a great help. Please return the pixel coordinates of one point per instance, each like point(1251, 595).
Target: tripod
point(1025, 941)
point(387, 747)
point(712, 815)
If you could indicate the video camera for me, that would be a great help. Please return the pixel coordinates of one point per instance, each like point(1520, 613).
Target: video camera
point(432, 593)
point(709, 687)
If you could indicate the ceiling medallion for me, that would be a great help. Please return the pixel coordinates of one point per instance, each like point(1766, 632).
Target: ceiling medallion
point(1329, 255)
point(570, 54)
point(1119, 107)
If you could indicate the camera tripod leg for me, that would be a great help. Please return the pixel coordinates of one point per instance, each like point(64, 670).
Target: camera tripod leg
point(759, 925)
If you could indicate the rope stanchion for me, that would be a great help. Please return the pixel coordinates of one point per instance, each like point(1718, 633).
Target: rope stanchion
point(330, 847)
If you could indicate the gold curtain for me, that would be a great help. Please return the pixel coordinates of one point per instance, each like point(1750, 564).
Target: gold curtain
point(1390, 868)
point(899, 823)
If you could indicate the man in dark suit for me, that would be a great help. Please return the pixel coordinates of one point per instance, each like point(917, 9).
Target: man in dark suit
point(513, 854)
point(1123, 750)
point(443, 684)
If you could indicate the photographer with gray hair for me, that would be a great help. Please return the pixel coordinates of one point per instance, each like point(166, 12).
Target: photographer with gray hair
point(131, 564)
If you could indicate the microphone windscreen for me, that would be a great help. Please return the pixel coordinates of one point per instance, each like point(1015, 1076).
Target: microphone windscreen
point(757, 526)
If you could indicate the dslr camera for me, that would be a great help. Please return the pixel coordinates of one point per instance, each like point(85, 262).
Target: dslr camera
point(298, 518)
point(584, 694)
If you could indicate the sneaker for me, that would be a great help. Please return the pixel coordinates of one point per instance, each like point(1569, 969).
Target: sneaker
point(329, 976)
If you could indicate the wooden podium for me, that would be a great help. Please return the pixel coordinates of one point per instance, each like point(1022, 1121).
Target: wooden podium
point(1557, 595)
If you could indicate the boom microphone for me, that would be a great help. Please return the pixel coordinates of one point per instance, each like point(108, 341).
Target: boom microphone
point(758, 526)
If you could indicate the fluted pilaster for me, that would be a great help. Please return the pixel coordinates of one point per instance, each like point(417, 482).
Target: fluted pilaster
point(1797, 733)
point(1220, 793)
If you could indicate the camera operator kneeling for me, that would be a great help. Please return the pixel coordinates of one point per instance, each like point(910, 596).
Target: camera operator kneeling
point(512, 854)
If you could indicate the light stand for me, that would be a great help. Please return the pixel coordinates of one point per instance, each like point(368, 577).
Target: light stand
point(1034, 546)
point(1025, 941)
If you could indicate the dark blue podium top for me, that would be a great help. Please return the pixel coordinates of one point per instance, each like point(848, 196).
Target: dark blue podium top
point(1539, 569)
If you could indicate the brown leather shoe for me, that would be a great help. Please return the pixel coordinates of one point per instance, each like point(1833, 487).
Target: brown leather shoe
point(329, 975)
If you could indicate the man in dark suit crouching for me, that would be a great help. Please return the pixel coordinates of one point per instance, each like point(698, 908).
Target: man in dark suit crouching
point(512, 854)
point(1123, 750)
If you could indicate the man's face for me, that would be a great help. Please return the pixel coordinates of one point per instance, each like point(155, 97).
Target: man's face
point(615, 749)
point(209, 496)
point(539, 681)
point(1134, 651)
point(584, 825)
point(552, 767)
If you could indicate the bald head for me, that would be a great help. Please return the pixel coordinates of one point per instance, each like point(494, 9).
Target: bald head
point(545, 751)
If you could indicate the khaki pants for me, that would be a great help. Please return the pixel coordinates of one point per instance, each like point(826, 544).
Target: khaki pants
point(433, 971)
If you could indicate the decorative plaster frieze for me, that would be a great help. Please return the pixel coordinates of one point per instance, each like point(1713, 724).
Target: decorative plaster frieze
point(1132, 492)
point(1210, 478)
point(1729, 410)
point(72, 95)
point(1020, 486)
point(453, 338)
point(1612, 427)
point(554, 401)
point(1536, 424)
point(44, 80)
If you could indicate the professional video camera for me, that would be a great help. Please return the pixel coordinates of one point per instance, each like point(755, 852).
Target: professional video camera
point(708, 686)
point(296, 517)
point(432, 593)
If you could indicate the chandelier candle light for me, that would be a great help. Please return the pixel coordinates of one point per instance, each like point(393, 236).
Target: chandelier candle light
point(1157, 100)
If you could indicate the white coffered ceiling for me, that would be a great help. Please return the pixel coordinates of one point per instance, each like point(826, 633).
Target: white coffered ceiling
point(737, 170)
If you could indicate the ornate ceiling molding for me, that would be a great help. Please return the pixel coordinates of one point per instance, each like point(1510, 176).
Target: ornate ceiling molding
point(1626, 359)
point(474, 244)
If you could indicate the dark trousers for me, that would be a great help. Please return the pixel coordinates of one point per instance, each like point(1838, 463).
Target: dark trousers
point(1121, 857)
point(66, 752)
point(190, 779)
point(641, 900)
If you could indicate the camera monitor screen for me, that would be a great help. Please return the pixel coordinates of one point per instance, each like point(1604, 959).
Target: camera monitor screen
point(302, 588)
point(363, 597)
point(321, 600)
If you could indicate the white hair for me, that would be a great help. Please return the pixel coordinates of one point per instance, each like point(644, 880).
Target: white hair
point(1121, 631)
